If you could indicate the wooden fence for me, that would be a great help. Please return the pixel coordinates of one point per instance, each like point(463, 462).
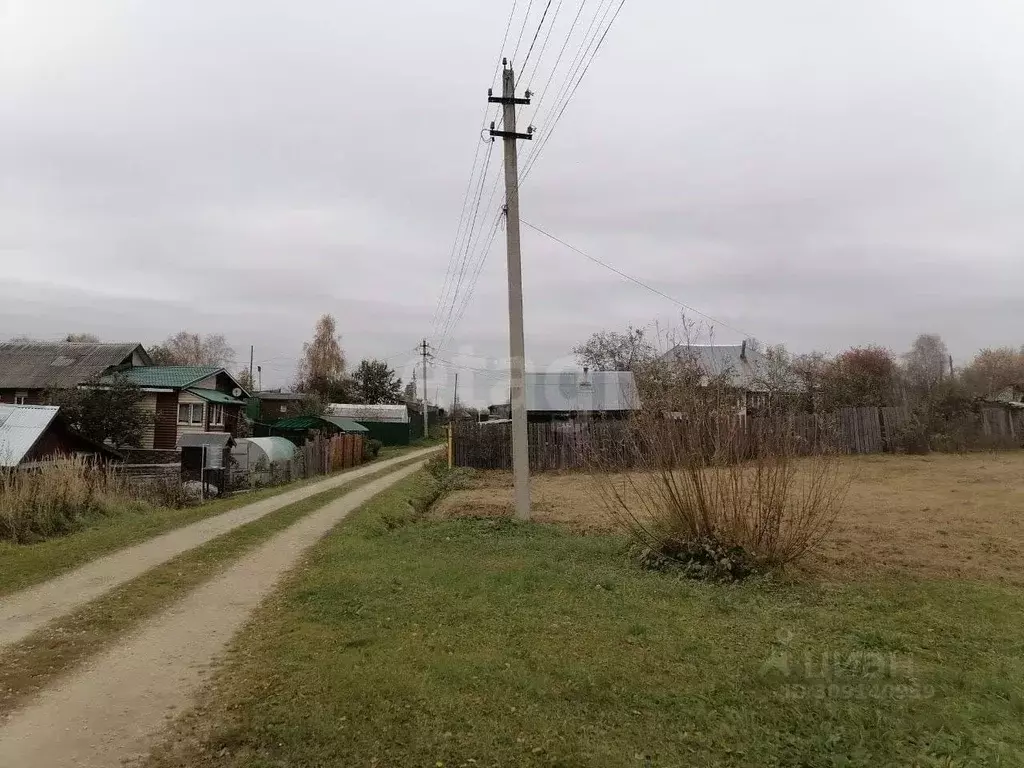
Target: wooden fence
point(566, 445)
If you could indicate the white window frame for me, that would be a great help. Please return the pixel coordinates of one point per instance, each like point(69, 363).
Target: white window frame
point(192, 414)
point(20, 398)
point(216, 415)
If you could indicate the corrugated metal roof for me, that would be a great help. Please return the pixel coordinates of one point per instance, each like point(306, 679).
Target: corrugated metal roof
point(397, 414)
point(347, 425)
point(215, 396)
point(310, 421)
point(38, 365)
point(20, 427)
point(596, 391)
point(169, 376)
point(209, 439)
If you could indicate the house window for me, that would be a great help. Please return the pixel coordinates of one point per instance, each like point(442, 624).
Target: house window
point(190, 413)
point(20, 398)
point(216, 415)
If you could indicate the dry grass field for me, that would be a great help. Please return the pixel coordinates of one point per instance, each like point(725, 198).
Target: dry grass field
point(936, 516)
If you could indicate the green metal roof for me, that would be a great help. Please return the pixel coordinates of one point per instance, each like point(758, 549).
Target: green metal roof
point(347, 424)
point(215, 396)
point(312, 422)
point(173, 376)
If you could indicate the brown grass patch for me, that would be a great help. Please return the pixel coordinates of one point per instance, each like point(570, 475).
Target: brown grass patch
point(935, 516)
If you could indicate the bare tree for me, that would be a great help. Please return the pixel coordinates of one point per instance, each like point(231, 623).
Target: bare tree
point(82, 338)
point(614, 351)
point(927, 362)
point(994, 371)
point(187, 348)
point(244, 379)
point(322, 367)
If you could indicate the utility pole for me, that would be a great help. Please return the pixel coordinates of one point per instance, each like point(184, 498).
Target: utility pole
point(252, 381)
point(516, 341)
point(426, 353)
point(455, 397)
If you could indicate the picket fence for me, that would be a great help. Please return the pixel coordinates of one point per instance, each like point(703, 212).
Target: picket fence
point(564, 445)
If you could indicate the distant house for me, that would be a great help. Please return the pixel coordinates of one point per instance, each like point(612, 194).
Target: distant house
point(435, 415)
point(575, 394)
point(32, 434)
point(29, 369)
point(185, 399)
point(387, 423)
point(741, 367)
point(270, 406)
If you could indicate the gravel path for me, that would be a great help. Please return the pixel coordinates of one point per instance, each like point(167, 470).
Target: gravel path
point(112, 709)
point(24, 612)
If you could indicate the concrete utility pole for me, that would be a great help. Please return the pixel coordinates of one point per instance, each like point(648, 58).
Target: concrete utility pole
point(252, 350)
point(516, 342)
point(426, 353)
point(455, 397)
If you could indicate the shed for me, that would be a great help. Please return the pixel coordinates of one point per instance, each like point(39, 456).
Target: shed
point(34, 433)
point(298, 428)
point(388, 423)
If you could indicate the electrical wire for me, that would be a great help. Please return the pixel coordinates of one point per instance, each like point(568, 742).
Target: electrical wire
point(531, 161)
point(536, 34)
point(636, 280)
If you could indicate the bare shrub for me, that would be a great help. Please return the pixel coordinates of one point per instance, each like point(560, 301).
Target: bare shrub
point(57, 497)
point(714, 491)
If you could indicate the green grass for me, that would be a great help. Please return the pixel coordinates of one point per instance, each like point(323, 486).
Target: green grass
point(490, 643)
point(22, 565)
point(36, 661)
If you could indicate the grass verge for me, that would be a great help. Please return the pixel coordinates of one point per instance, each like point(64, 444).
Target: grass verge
point(29, 665)
point(22, 565)
point(490, 643)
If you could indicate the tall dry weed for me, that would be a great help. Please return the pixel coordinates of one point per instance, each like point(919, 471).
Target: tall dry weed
point(707, 486)
point(58, 497)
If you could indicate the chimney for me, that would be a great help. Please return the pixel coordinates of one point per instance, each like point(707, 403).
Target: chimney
point(743, 351)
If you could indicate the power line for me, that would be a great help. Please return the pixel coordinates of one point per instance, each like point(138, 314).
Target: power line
point(636, 280)
point(536, 34)
point(452, 259)
point(543, 142)
point(522, 29)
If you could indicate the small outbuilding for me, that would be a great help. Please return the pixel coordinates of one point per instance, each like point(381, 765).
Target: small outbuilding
point(388, 423)
point(299, 428)
point(33, 434)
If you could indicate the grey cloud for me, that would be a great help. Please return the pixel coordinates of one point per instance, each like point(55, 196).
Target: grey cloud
point(816, 173)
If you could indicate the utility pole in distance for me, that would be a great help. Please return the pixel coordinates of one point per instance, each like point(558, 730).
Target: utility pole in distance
point(426, 353)
point(517, 343)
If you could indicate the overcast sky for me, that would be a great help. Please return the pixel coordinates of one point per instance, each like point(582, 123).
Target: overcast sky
point(822, 174)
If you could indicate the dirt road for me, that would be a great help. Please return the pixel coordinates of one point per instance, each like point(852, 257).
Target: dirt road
point(112, 709)
point(24, 612)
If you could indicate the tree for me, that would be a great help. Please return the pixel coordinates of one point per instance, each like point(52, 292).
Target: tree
point(927, 361)
point(409, 394)
point(811, 370)
point(244, 379)
point(993, 371)
point(82, 338)
point(614, 351)
point(186, 348)
point(861, 376)
point(322, 367)
point(110, 413)
point(375, 382)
